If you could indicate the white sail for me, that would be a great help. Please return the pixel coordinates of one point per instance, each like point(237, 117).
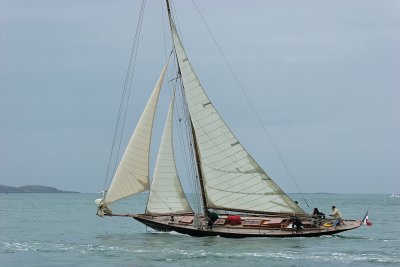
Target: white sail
point(166, 193)
point(132, 175)
point(232, 179)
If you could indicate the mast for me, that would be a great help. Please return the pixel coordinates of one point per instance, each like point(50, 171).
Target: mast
point(199, 171)
point(196, 149)
point(169, 11)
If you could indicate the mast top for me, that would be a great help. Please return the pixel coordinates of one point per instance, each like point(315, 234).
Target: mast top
point(168, 9)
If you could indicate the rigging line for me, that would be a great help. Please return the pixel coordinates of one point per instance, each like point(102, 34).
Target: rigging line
point(163, 27)
point(177, 118)
point(185, 157)
point(129, 77)
point(184, 113)
point(196, 165)
point(250, 103)
point(187, 124)
point(122, 101)
point(193, 181)
point(182, 142)
point(195, 188)
point(193, 184)
point(188, 165)
point(175, 19)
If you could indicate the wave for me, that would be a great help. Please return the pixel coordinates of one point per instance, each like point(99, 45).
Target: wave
point(12, 247)
point(211, 255)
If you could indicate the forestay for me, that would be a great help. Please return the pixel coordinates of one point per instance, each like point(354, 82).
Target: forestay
point(132, 175)
point(232, 179)
point(166, 193)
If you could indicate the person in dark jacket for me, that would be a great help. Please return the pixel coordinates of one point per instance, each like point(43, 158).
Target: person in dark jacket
point(297, 224)
point(317, 216)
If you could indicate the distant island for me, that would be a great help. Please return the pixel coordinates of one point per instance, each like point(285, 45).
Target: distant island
point(31, 189)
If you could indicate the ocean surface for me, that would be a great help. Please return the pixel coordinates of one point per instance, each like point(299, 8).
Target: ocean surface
point(63, 230)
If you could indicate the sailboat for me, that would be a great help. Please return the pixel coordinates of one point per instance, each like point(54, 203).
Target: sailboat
point(236, 197)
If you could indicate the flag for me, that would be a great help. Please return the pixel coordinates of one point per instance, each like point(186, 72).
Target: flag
point(366, 221)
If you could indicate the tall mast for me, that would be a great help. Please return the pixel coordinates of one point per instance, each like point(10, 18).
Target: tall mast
point(196, 150)
point(199, 171)
point(169, 11)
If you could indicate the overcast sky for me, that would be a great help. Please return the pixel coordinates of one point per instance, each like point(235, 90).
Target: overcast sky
point(322, 75)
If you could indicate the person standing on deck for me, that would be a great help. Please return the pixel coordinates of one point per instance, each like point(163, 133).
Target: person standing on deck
point(337, 216)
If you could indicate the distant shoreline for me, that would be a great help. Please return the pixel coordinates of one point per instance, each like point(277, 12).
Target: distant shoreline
point(31, 189)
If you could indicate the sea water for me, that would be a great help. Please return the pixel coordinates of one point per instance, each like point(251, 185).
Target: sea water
point(63, 230)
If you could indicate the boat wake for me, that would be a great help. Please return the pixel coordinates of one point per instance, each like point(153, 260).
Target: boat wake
point(12, 247)
point(210, 255)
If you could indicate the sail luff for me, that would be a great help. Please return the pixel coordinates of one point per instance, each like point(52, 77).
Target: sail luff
point(232, 178)
point(132, 175)
point(166, 193)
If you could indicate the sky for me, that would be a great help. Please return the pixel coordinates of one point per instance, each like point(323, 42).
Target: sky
point(323, 76)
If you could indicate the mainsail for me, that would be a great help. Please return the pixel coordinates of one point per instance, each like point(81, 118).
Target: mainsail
point(132, 175)
point(232, 178)
point(166, 193)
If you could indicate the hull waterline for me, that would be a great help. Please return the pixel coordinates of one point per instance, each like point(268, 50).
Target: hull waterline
point(163, 223)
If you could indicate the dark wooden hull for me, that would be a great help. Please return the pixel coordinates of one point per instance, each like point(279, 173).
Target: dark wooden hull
point(161, 223)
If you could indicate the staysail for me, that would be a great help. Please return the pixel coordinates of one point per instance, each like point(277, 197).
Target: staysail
point(166, 193)
point(232, 178)
point(132, 175)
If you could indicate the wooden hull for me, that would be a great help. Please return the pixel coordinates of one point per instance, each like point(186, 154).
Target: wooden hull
point(251, 226)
